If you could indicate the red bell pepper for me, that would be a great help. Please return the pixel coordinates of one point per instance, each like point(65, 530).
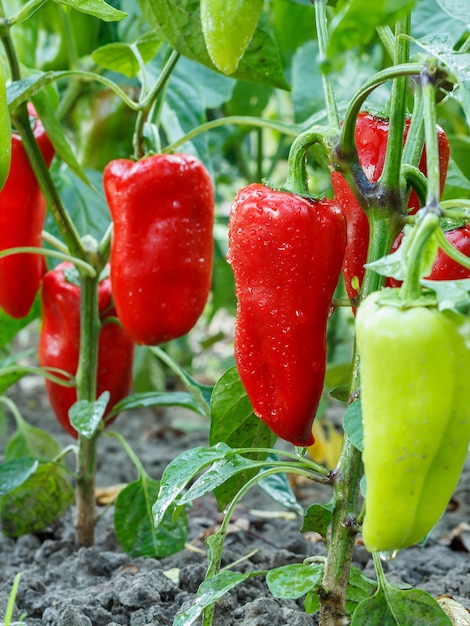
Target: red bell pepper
point(286, 253)
point(371, 140)
point(162, 246)
point(444, 268)
point(59, 343)
point(22, 215)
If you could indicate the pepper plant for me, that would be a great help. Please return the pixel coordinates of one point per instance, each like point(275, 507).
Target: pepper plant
point(192, 79)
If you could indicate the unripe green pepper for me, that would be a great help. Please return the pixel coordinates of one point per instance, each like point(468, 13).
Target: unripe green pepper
point(415, 397)
point(228, 27)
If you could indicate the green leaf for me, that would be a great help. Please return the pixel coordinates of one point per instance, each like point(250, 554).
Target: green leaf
point(357, 20)
point(457, 64)
point(156, 398)
point(428, 17)
point(228, 27)
point(359, 588)
point(396, 263)
point(9, 328)
point(86, 416)
point(294, 581)
point(209, 592)
point(352, 424)
point(340, 393)
point(181, 471)
point(37, 502)
point(22, 90)
point(457, 9)
point(220, 472)
point(45, 103)
point(453, 295)
point(179, 24)
point(234, 423)
point(121, 57)
point(31, 441)
point(10, 375)
point(98, 8)
point(232, 417)
point(15, 472)
point(202, 393)
point(85, 202)
point(318, 518)
point(394, 607)
point(133, 522)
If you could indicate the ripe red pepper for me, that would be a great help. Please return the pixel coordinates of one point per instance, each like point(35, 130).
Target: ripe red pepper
point(59, 343)
point(444, 268)
point(286, 253)
point(22, 215)
point(162, 246)
point(371, 140)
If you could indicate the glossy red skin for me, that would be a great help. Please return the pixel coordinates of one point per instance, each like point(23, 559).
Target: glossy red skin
point(59, 344)
point(286, 253)
point(371, 140)
point(444, 267)
point(162, 209)
point(22, 215)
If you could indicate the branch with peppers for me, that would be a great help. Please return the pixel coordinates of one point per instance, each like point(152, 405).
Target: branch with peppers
point(93, 313)
point(286, 273)
point(287, 250)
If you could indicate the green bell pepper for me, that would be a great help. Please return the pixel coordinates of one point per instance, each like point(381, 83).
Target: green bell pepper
point(415, 397)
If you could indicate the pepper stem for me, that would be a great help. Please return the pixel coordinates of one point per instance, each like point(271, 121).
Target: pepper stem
point(297, 178)
point(427, 223)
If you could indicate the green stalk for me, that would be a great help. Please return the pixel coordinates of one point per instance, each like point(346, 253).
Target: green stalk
point(450, 250)
point(291, 130)
point(86, 390)
point(216, 542)
point(430, 123)
point(385, 223)
point(390, 177)
point(297, 179)
point(415, 138)
point(149, 100)
point(411, 287)
point(349, 124)
point(327, 83)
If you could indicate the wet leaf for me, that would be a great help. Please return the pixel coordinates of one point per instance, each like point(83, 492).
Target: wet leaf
point(352, 424)
point(395, 607)
point(234, 423)
point(37, 502)
point(156, 398)
point(86, 416)
point(294, 581)
point(32, 441)
point(15, 472)
point(209, 592)
point(181, 471)
point(134, 524)
point(318, 518)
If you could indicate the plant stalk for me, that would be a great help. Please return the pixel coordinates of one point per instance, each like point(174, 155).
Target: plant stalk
point(86, 390)
point(346, 478)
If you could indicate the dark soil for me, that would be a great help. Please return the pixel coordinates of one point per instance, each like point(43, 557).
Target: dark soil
point(102, 586)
